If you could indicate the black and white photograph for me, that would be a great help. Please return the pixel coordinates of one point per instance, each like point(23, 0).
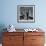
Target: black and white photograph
point(26, 13)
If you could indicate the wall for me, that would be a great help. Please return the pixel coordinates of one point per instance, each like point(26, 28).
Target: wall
point(9, 13)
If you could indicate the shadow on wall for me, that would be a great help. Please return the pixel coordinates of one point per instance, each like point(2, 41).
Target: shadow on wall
point(2, 26)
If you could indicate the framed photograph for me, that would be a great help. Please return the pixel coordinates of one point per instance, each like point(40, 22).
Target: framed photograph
point(26, 13)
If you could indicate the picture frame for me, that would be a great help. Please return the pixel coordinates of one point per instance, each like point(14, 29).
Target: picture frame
point(25, 13)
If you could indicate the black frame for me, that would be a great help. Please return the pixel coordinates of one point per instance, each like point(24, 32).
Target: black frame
point(29, 13)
